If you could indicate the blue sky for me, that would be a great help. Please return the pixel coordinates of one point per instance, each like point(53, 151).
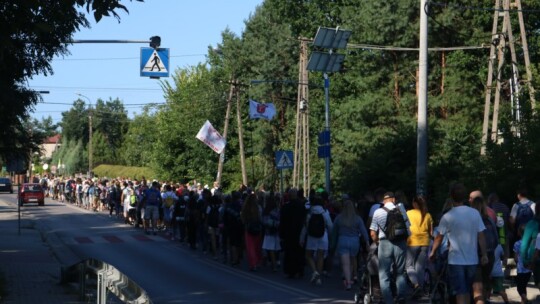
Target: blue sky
point(106, 71)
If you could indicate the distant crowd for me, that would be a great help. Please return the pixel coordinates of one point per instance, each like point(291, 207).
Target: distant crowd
point(385, 244)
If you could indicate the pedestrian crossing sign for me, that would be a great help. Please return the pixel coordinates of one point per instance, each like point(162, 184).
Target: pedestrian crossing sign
point(284, 160)
point(154, 62)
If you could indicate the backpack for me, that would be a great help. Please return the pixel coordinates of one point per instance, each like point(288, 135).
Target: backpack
point(316, 225)
point(133, 200)
point(396, 228)
point(213, 216)
point(490, 234)
point(169, 200)
point(524, 214)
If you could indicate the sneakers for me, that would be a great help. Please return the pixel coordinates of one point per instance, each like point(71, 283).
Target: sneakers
point(318, 282)
point(315, 276)
point(347, 285)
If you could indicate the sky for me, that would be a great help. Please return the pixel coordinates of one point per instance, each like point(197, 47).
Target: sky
point(107, 70)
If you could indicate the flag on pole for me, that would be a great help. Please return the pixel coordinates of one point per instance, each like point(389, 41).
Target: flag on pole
point(211, 137)
point(261, 110)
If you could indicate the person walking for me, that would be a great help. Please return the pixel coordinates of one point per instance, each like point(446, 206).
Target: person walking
point(464, 228)
point(314, 237)
point(251, 216)
point(523, 272)
point(271, 241)
point(391, 238)
point(527, 249)
point(292, 216)
point(351, 233)
point(418, 242)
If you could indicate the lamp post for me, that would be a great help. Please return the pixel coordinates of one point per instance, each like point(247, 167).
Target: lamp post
point(327, 62)
point(90, 152)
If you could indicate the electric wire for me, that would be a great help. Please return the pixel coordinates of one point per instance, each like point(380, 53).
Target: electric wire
point(477, 8)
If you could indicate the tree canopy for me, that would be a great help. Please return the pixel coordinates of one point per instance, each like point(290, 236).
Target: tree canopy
point(31, 34)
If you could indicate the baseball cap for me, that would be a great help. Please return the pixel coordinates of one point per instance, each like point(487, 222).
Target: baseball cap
point(388, 195)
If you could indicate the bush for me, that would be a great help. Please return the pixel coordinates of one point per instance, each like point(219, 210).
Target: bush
point(113, 171)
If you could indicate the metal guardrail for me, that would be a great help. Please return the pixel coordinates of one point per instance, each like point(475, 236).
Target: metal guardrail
point(106, 278)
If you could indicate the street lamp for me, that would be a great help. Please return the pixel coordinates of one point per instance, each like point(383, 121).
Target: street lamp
point(90, 152)
point(331, 39)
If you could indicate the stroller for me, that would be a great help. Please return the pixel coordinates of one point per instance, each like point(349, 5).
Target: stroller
point(370, 271)
point(438, 290)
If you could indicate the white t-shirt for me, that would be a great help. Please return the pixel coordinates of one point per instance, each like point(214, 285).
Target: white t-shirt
point(513, 212)
point(462, 224)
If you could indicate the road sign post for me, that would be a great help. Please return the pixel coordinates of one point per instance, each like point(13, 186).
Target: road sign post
point(284, 160)
point(154, 62)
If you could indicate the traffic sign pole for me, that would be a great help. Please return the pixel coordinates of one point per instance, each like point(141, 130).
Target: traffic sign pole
point(327, 128)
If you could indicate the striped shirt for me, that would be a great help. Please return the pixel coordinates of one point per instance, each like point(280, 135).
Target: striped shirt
point(378, 223)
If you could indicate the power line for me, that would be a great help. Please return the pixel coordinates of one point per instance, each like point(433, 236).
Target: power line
point(409, 49)
point(477, 8)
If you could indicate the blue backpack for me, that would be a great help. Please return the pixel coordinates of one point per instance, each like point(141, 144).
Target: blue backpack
point(524, 214)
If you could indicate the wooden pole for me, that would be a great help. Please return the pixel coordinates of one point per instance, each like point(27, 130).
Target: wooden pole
point(225, 130)
point(241, 140)
point(487, 102)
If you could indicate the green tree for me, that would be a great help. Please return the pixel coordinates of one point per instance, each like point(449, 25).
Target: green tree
point(138, 145)
point(31, 34)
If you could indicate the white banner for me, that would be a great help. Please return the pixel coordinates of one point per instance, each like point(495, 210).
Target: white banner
point(211, 137)
point(261, 110)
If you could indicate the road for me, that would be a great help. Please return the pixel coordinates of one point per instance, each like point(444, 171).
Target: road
point(169, 271)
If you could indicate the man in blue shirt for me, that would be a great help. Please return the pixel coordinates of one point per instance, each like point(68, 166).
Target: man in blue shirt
point(152, 202)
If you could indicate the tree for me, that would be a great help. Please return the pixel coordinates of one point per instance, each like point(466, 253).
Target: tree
point(31, 34)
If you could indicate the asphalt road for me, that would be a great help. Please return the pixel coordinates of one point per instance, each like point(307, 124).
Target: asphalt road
point(169, 271)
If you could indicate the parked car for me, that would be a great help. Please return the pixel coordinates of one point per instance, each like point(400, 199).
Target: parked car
point(31, 193)
point(6, 185)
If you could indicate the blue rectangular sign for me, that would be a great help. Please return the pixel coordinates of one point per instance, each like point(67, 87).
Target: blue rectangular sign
point(154, 62)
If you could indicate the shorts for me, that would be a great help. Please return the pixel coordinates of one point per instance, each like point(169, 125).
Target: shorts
point(151, 212)
point(497, 284)
point(348, 245)
point(314, 243)
point(460, 278)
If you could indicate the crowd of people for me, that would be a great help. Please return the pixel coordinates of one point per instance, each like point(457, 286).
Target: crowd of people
point(466, 245)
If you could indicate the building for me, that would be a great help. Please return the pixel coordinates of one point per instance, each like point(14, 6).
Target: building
point(50, 145)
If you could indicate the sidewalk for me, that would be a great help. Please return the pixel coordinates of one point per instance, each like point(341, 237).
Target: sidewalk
point(29, 270)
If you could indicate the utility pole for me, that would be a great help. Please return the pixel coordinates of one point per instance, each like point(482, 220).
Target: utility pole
point(225, 130)
point(501, 42)
point(241, 140)
point(90, 150)
point(422, 129)
point(301, 168)
point(233, 90)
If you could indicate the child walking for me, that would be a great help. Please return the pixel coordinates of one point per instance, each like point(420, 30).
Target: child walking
point(497, 274)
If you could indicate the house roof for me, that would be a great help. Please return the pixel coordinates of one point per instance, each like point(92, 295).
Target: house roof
point(53, 139)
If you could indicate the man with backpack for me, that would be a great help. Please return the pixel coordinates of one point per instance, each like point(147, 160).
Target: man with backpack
point(315, 236)
point(522, 211)
point(388, 229)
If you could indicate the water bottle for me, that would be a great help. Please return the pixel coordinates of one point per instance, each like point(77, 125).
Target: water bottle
point(405, 217)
